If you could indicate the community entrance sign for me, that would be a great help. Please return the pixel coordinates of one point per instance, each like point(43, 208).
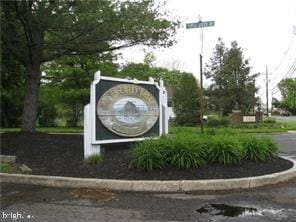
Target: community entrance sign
point(128, 110)
point(123, 110)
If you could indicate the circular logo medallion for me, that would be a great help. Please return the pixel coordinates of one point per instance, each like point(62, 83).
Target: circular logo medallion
point(128, 110)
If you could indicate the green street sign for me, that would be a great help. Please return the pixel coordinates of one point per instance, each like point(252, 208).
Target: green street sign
point(200, 24)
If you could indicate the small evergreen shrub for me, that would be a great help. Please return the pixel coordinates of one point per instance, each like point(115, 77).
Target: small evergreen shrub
point(225, 150)
point(269, 120)
point(222, 122)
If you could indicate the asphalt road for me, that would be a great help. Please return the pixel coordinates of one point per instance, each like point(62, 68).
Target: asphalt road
point(287, 143)
point(34, 203)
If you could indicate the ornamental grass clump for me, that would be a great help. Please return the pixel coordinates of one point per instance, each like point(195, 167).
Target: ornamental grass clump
point(224, 149)
point(149, 155)
point(188, 151)
point(95, 159)
point(271, 146)
point(258, 148)
point(185, 152)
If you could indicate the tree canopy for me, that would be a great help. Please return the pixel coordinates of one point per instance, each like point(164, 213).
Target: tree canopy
point(288, 91)
point(232, 85)
point(40, 31)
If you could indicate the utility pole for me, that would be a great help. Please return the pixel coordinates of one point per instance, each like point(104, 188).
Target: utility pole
point(272, 101)
point(267, 91)
point(294, 95)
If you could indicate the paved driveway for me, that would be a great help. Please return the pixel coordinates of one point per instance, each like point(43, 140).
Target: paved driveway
point(287, 143)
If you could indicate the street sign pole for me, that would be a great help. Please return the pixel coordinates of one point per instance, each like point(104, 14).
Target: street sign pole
point(201, 101)
point(201, 25)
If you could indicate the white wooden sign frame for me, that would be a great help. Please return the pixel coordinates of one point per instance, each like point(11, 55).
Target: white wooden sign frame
point(93, 146)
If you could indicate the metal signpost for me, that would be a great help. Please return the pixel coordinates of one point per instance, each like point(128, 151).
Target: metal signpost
point(201, 25)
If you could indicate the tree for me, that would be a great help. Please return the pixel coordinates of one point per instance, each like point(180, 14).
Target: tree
point(65, 89)
point(143, 71)
point(12, 89)
point(232, 85)
point(288, 91)
point(185, 100)
point(36, 32)
point(275, 103)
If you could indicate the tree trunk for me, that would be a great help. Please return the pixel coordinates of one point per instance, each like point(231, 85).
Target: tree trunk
point(31, 98)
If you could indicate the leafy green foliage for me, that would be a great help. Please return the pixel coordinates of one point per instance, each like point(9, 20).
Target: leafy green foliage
point(148, 155)
point(271, 146)
point(225, 150)
point(143, 71)
point(269, 120)
point(95, 159)
point(221, 122)
point(186, 152)
point(258, 149)
point(186, 102)
point(13, 75)
point(36, 32)
point(288, 91)
point(65, 89)
point(4, 167)
point(232, 85)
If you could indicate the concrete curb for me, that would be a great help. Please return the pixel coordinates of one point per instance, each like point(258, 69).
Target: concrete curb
point(153, 185)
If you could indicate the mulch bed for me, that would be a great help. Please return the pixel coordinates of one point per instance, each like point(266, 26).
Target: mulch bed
point(62, 155)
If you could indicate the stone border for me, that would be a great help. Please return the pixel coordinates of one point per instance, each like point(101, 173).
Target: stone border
point(7, 159)
point(153, 185)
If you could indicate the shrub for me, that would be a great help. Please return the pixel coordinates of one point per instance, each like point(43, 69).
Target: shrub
point(275, 113)
point(217, 131)
point(270, 145)
point(185, 101)
point(188, 150)
point(4, 167)
point(148, 155)
point(258, 148)
point(224, 149)
point(222, 122)
point(95, 159)
point(269, 120)
point(185, 152)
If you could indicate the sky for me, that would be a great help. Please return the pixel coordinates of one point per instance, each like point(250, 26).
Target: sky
point(264, 29)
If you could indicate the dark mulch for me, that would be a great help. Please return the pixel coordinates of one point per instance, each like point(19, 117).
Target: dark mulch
point(62, 155)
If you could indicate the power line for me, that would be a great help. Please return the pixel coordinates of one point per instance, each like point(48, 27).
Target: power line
point(286, 53)
point(289, 73)
point(282, 71)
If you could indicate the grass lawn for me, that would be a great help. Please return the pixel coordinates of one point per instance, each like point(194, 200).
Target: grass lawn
point(48, 129)
point(291, 124)
point(281, 126)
